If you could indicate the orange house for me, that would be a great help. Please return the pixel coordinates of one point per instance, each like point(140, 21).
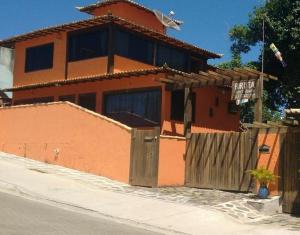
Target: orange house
point(115, 64)
point(127, 74)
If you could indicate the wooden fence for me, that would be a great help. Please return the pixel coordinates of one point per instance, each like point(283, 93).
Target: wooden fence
point(291, 167)
point(221, 160)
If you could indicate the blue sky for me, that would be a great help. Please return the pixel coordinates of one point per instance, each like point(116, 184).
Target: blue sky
point(207, 22)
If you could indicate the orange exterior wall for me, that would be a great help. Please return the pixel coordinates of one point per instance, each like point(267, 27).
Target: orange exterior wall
point(168, 127)
point(221, 120)
point(204, 101)
point(59, 60)
point(35, 131)
point(125, 64)
point(87, 67)
point(61, 70)
point(270, 160)
point(171, 166)
point(131, 13)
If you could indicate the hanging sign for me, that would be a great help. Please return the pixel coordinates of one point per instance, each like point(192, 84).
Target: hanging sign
point(244, 90)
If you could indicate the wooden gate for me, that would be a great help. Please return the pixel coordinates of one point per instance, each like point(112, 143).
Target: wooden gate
point(291, 167)
point(144, 157)
point(220, 160)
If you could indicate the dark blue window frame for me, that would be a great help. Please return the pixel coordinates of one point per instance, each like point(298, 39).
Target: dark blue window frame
point(173, 57)
point(145, 104)
point(88, 44)
point(39, 57)
point(134, 46)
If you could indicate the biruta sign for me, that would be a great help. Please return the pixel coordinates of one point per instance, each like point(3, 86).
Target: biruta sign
point(242, 90)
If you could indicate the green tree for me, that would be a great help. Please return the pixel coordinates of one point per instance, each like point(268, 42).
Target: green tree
point(282, 27)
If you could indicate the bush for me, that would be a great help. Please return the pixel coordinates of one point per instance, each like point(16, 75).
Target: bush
point(263, 175)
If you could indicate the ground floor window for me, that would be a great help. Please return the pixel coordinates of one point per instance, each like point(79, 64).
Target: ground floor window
point(34, 100)
point(134, 108)
point(70, 98)
point(87, 101)
point(177, 105)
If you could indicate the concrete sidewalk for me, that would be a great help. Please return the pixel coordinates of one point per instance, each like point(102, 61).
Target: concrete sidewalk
point(19, 177)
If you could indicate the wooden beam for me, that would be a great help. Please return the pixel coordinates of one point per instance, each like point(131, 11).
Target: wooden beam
point(165, 80)
point(259, 73)
point(234, 74)
point(187, 112)
point(222, 76)
point(255, 74)
point(179, 79)
point(251, 75)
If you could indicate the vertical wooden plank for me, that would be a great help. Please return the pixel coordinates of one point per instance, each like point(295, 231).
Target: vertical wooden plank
point(155, 163)
point(258, 104)
point(282, 139)
point(291, 196)
point(132, 150)
point(67, 56)
point(187, 111)
point(187, 180)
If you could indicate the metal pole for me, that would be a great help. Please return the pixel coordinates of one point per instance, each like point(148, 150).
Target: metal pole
point(259, 102)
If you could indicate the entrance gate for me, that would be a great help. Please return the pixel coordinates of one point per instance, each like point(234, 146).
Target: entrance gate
point(144, 157)
point(221, 160)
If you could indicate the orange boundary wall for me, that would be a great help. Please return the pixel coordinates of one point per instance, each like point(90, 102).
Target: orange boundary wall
point(84, 140)
point(65, 134)
point(171, 167)
point(271, 160)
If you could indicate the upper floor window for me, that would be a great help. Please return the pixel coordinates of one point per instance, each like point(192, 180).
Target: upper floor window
point(174, 58)
point(39, 57)
point(198, 64)
point(87, 45)
point(134, 47)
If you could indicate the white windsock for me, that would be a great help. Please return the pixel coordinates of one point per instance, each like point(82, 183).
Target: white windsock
point(278, 54)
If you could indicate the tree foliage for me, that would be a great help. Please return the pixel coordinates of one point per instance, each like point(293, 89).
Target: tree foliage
point(282, 27)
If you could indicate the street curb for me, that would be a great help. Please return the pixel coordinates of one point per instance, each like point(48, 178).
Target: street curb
point(18, 191)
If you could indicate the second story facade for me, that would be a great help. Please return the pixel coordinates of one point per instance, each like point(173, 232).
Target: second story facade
point(121, 36)
point(114, 63)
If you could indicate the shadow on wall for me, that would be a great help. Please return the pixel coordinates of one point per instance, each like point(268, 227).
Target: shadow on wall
point(176, 128)
point(221, 160)
point(270, 138)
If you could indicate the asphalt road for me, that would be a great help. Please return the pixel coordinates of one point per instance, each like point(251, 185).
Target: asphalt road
point(27, 217)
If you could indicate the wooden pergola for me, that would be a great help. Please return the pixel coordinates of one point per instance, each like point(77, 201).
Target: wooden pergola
point(212, 77)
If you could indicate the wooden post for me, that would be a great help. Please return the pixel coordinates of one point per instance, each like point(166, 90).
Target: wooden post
point(259, 102)
point(110, 55)
point(187, 111)
point(67, 56)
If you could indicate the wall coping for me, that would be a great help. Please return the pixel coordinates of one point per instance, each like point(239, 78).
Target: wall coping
point(172, 137)
point(112, 121)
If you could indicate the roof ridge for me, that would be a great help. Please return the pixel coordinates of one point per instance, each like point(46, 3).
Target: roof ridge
point(87, 8)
